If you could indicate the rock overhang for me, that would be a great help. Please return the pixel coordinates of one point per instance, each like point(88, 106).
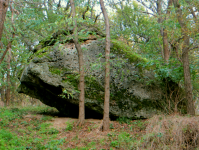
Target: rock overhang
point(53, 69)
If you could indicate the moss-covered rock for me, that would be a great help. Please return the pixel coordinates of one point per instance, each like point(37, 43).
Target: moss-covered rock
point(52, 76)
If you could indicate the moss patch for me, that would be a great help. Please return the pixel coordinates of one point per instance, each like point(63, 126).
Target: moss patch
point(60, 71)
point(93, 89)
point(42, 52)
point(55, 70)
point(73, 79)
point(121, 48)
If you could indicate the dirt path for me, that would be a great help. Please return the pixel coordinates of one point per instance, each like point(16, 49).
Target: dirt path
point(60, 122)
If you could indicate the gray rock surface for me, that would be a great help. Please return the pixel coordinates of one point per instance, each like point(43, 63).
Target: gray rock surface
point(52, 77)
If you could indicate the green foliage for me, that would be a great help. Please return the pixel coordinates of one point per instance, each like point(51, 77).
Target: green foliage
point(9, 115)
point(69, 126)
point(124, 120)
point(46, 118)
point(19, 133)
point(114, 144)
point(141, 125)
point(124, 140)
point(111, 126)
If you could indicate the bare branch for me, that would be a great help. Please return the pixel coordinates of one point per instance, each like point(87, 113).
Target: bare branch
point(87, 8)
point(194, 48)
point(97, 17)
point(148, 13)
point(67, 6)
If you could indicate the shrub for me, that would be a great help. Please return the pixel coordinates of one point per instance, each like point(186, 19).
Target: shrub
point(69, 126)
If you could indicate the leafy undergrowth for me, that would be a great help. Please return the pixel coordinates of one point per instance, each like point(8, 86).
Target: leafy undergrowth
point(18, 132)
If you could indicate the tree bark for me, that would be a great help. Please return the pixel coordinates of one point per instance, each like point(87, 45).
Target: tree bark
point(2, 92)
point(8, 78)
point(3, 9)
point(13, 36)
point(4, 53)
point(163, 31)
point(165, 37)
point(81, 68)
point(165, 45)
point(185, 58)
point(107, 70)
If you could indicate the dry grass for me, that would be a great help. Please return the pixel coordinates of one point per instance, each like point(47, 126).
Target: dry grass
point(172, 132)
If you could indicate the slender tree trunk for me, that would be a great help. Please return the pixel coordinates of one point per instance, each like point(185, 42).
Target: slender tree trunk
point(165, 45)
point(107, 70)
point(2, 92)
point(4, 53)
point(81, 68)
point(3, 9)
point(13, 36)
point(185, 58)
point(159, 11)
point(163, 31)
point(187, 79)
point(165, 37)
point(8, 78)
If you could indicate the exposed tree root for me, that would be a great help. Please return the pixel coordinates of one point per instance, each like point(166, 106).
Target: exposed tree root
point(100, 128)
point(79, 123)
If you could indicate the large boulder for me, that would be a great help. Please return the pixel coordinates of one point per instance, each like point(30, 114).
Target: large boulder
point(52, 77)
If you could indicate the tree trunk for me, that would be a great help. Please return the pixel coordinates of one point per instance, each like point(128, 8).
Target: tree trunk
point(81, 68)
point(107, 70)
point(13, 36)
point(165, 45)
point(185, 58)
point(163, 31)
point(4, 53)
point(8, 78)
point(3, 9)
point(165, 37)
point(2, 92)
point(187, 80)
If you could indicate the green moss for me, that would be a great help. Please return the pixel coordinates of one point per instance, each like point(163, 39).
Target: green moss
point(121, 48)
point(73, 79)
point(58, 71)
point(43, 52)
point(93, 89)
point(39, 46)
point(55, 70)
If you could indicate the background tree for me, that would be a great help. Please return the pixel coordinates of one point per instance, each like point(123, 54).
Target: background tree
point(185, 57)
point(3, 9)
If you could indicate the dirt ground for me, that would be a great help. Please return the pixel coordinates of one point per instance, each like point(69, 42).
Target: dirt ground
point(60, 123)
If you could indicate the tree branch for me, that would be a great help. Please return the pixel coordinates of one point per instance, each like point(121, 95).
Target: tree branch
point(97, 17)
point(194, 48)
point(84, 13)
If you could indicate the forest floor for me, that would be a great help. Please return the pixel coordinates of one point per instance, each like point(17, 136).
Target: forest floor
point(41, 128)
